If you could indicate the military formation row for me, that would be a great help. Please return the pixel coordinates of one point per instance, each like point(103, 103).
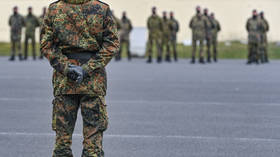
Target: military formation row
point(17, 22)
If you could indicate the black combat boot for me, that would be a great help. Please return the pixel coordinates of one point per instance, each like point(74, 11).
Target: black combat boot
point(209, 59)
point(167, 58)
point(193, 60)
point(215, 59)
point(149, 60)
point(20, 57)
point(201, 60)
point(12, 58)
point(159, 59)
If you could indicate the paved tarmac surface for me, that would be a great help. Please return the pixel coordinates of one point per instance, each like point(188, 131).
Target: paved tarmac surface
point(168, 110)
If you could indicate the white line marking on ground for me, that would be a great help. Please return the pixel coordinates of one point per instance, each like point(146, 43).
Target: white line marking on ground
point(202, 138)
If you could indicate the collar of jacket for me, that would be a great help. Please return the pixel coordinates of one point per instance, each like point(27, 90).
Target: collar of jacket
point(76, 1)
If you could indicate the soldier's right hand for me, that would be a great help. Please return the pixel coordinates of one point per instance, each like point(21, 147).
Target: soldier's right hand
point(75, 73)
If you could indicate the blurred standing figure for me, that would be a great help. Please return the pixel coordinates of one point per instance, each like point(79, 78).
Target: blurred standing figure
point(166, 36)
point(264, 43)
point(16, 22)
point(126, 28)
point(198, 24)
point(155, 27)
point(41, 18)
point(208, 35)
point(79, 40)
point(119, 26)
point(253, 27)
point(31, 23)
point(214, 33)
point(174, 31)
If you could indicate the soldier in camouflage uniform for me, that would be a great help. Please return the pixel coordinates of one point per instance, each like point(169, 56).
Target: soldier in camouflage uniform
point(166, 36)
point(79, 39)
point(126, 28)
point(264, 43)
point(208, 33)
point(31, 23)
point(41, 18)
point(254, 28)
point(16, 22)
point(214, 35)
point(155, 27)
point(174, 31)
point(198, 24)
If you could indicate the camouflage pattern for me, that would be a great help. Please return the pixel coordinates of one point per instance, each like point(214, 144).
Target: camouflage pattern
point(41, 20)
point(95, 122)
point(126, 28)
point(31, 23)
point(173, 42)
point(263, 41)
point(16, 22)
point(75, 27)
point(66, 30)
point(166, 36)
point(198, 24)
point(214, 36)
point(254, 27)
point(155, 27)
point(208, 35)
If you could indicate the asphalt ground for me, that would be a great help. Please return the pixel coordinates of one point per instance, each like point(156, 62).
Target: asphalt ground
point(226, 109)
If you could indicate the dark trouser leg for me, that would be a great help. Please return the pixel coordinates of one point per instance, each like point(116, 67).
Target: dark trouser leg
point(13, 50)
point(118, 55)
point(64, 118)
point(149, 50)
point(128, 50)
point(174, 49)
point(215, 55)
point(95, 122)
point(26, 47)
point(208, 43)
point(201, 59)
point(33, 47)
point(19, 50)
point(159, 50)
point(193, 50)
point(266, 53)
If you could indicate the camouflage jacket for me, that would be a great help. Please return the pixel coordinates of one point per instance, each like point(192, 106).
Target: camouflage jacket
point(216, 28)
point(155, 27)
point(126, 28)
point(76, 26)
point(16, 22)
point(264, 30)
point(199, 25)
point(31, 22)
point(175, 28)
point(254, 28)
point(166, 28)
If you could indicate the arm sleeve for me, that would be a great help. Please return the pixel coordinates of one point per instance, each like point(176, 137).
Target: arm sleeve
point(57, 60)
point(110, 45)
point(190, 25)
point(247, 26)
point(10, 22)
point(219, 27)
point(177, 26)
point(267, 26)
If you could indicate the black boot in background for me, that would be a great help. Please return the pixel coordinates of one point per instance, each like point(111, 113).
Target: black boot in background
point(20, 57)
point(149, 60)
point(193, 60)
point(159, 59)
point(12, 58)
point(201, 60)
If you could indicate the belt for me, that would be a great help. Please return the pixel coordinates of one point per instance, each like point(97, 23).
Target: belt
point(82, 57)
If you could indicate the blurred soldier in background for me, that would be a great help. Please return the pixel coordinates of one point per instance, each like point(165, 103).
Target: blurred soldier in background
point(41, 18)
point(253, 27)
point(119, 26)
point(79, 49)
point(214, 33)
point(126, 28)
point(264, 43)
point(16, 22)
point(174, 31)
point(208, 35)
point(155, 27)
point(166, 36)
point(198, 24)
point(31, 22)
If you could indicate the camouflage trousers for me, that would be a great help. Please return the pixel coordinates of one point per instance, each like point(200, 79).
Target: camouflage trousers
point(173, 48)
point(150, 45)
point(253, 55)
point(123, 43)
point(15, 47)
point(27, 38)
point(194, 42)
point(214, 44)
point(208, 47)
point(95, 122)
point(165, 45)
